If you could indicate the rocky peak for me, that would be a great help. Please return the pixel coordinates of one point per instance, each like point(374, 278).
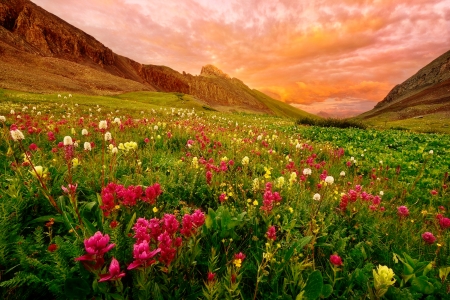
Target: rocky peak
point(210, 70)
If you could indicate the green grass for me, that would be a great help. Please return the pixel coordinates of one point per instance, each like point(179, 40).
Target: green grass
point(433, 123)
point(133, 101)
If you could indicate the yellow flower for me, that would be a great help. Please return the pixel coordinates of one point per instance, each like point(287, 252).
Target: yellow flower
point(237, 263)
point(39, 171)
point(383, 278)
point(117, 207)
point(75, 162)
point(155, 209)
point(291, 210)
point(255, 203)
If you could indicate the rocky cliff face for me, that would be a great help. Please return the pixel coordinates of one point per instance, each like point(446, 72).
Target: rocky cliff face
point(432, 74)
point(32, 30)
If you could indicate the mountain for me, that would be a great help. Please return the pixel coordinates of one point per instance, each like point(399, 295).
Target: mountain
point(425, 94)
point(40, 52)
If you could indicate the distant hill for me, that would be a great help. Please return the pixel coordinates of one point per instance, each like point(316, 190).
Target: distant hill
point(425, 94)
point(40, 52)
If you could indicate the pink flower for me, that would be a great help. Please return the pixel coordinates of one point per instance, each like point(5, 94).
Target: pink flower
point(198, 217)
point(240, 256)
point(142, 255)
point(208, 177)
point(402, 211)
point(222, 197)
point(96, 245)
point(70, 189)
point(444, 223)
point(146, 140)
point(271, 233)
point(336, 260)
point(33, 147)
point(428, 237)
point(114, 272)
point(170, 224)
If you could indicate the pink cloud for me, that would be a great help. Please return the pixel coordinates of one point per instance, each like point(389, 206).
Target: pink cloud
point(352, 49)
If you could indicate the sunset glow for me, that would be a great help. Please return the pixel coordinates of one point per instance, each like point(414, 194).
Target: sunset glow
point(337, 57)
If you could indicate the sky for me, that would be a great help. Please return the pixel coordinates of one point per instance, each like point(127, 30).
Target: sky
point(338, 57)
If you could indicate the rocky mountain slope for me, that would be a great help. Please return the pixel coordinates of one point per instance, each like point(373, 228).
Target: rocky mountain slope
point(42, 53)
point(426, 92)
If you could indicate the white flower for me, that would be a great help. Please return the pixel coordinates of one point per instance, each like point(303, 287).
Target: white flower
point(102, 124)
point(342, 173)
point(108, 136)
point(17, 135)
point(114, 150)
point(316, 197)
point(381, 162)
point(307, 171)
point(431, 152)
point(329, 179)
point(68, 141)
point(2, 119)
point(381, 193)
point(245, 160)
point(12, 112)
point(87, 146)
point(117, 121)
point(75, 145)
point(352, 158)
point(155, 127)
point(84, 132)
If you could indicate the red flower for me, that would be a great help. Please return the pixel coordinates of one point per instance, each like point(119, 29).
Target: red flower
point(240, 256)
point(52, 247)
point(433, 192)
point(114, 272)
point(96, 246)
point(336, 260)
point(211, 276)
point(271, 233)
point(33, 147)
point(428, 237)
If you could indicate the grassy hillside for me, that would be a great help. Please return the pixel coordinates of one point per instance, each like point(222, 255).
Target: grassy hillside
point(280, 108)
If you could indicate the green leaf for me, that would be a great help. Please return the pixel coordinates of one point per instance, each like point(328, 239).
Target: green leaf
point(303, 242)
point(327, 289)
point(208, 222)
point(89, 226)
point(76, 288)
point(421, 285)
point(130, 224)
point(314, 285)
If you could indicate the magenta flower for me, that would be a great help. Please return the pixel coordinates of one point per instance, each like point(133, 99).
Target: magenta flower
point(336, 260)
point(96, 246)
point(114, 272)
point(428, 237)
point(211, 276)
point(402, 211)
point(444, 223)
point(271, 233)
point(198, 218)
point(142, 255)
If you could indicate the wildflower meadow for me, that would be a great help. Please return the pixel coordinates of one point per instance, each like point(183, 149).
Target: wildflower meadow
point(180, 203)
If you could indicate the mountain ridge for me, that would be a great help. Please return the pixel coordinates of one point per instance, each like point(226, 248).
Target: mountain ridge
point(46, 41)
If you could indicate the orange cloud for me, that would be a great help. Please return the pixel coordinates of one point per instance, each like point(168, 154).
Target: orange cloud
point(298, 51)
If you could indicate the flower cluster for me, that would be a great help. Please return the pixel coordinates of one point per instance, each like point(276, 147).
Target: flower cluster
point(357, 193)
point(270, 198)
point(162, 234)
point(116, 194)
